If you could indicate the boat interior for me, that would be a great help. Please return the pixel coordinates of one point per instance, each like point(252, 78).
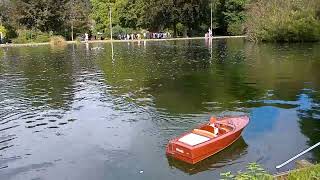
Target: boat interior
point(208, 130)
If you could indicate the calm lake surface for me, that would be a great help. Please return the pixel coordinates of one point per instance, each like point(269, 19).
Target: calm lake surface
point(77, 112)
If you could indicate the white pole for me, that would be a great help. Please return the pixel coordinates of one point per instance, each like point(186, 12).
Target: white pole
point(72, 19)
point(112, 54)
point(298, 155)
point(211, 19)
point(72, 30)
point(110, 22)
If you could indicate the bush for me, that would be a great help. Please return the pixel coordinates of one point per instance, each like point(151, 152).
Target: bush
point(3, 31)
point(58, 41)
point(236, 28)
point(78, 40)
point(118, 30)
point(41, 38)
point(181, 29)
point(287, 20)
point(20, 40)
point(29, 36)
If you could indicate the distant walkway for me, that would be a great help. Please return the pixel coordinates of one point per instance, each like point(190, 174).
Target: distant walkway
point(116, 40)
point(169, 39)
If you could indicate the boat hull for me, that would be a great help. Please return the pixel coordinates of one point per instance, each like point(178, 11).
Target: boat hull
point(194, 154)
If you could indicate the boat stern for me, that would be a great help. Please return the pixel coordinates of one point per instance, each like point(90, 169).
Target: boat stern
point(180, 151)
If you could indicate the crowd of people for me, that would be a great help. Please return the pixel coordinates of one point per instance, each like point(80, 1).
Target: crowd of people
point(138, 36)
point(133, 36)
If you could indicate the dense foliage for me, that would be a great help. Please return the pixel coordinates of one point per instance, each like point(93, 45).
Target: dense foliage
point(262, 20)
point(286, 20)
point(56, 16)
point(182, 17)
point(3, 30)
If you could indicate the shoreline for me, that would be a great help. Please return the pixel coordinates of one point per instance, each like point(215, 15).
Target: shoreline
point(108, 41)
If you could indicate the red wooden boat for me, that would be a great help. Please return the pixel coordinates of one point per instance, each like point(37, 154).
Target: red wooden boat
point(207, 139)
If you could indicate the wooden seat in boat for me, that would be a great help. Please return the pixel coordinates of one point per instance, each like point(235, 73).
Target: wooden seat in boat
point(204, 133)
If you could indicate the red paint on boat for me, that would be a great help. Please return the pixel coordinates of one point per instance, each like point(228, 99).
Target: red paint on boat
point(201, 143)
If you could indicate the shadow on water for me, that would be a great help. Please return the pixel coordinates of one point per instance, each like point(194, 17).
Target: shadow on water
point(227, 156)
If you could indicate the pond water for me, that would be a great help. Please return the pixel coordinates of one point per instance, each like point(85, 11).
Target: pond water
point(82, 112)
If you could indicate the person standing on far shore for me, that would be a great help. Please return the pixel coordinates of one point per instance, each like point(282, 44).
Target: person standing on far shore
point(86, 37)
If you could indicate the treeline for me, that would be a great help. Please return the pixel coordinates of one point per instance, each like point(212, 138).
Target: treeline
point(182, 17)
point(283, 20)
point(261, 20)
point(38, 19)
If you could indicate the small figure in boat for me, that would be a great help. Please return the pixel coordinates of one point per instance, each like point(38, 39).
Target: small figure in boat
point(213, 120)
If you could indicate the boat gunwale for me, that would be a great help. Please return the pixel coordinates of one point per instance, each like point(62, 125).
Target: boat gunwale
point(233, 131)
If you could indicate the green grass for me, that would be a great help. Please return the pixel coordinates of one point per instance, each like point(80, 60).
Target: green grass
point(312, 172)
point(256, 172)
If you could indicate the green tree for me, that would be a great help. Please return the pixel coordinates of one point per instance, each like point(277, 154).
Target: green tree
point(287, 20)
point(235, 16)
point(100, 13)
point(3, 32)
point(46, 15)
point(193, 13)
point(230, 16)
point(8, 16)
point(154, 15)
point(43, 15)
point(77, 19)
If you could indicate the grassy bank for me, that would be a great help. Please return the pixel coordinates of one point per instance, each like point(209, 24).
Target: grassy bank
point(107, 41)
point(256, 172)
point(312, 172)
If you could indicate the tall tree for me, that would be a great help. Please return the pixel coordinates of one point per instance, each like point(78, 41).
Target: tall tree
point(100, 13)
point(43, 15)
point(77, 17)
point(193, 13)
